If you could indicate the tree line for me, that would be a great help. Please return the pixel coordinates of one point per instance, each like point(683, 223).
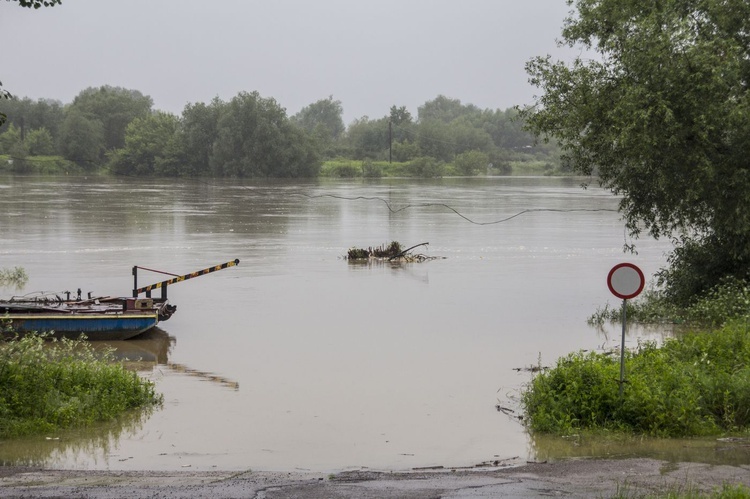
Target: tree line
point(117, 129)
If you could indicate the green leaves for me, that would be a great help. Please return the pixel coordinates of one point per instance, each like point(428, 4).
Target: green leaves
point(697, 384)
point(61, 384)
point(147, 148)
point(39, 3)
point(660, 114)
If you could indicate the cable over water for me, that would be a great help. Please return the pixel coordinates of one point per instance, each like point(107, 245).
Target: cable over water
point(450, 208)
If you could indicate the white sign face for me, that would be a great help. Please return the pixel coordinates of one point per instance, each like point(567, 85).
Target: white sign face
point(625, 281)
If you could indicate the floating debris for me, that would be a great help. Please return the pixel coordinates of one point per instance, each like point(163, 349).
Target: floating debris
point(392, 252)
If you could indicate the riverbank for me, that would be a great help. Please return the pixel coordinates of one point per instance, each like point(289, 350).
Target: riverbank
point(574, 478)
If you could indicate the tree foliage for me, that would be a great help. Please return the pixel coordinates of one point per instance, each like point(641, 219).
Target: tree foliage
point(662, 115)
point(4, 94)
point(252, 136)
point(37, 3)
point(147, 149)
point(256, 139)
point(472, 162)
point(322, 120)
point(81, 139)
point(115, 108)
point(198, 134)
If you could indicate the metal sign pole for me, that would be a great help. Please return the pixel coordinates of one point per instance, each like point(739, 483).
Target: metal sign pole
point(622, 346)
point(625, 281)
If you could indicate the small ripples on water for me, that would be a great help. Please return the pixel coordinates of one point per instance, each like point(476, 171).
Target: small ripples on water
point(337, 365)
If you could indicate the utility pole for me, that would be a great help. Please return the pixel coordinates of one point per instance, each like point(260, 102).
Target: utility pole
point(390, 141)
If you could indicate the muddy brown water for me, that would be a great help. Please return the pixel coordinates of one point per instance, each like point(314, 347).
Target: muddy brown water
point(299, 360)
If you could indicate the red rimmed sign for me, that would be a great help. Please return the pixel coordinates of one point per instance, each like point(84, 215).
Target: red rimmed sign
point(626, 281)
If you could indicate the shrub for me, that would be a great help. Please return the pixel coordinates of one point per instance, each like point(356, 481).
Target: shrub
point(343, 170)
point(425, 167)
point(45, 385)
point(695, 384)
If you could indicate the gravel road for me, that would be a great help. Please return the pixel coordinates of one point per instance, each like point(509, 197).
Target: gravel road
point(568, 478)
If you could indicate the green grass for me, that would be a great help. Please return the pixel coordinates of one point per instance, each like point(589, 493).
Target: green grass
point(47, 385)
point(695, 384)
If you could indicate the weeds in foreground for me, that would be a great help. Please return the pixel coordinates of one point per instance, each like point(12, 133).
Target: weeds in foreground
point(50, 384)
point(695, 384)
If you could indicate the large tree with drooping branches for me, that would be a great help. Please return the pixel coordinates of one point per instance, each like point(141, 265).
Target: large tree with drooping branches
point(658, 108)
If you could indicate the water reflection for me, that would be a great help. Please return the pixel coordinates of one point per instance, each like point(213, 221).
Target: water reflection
point(142, 352)
point(389, 366)
point(150, 351)
point(72, 447)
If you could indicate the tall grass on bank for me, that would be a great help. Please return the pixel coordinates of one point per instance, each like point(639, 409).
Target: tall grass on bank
point(695, 384)
point(48, 385)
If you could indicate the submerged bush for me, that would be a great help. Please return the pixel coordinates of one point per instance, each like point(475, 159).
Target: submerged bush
point(15, 276)
point(47, 385)
point(696, 384)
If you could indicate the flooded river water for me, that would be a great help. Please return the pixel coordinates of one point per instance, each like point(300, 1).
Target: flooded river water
point(298, 359)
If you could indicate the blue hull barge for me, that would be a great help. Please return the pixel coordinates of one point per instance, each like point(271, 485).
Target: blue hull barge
point(103, 318)
point(99, 318)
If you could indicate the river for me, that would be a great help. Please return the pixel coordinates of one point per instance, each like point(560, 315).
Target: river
point(297, 358)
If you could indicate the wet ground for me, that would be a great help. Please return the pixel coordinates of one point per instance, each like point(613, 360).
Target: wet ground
point(567, 478)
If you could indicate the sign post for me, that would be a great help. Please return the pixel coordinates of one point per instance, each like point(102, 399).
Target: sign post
point(625, 281)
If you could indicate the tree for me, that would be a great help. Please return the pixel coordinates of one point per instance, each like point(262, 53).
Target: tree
point(198, 133)
point(256, 139)
point(403, 134)
point(445, 109)
point(472, 162)
point(368, 138)
point(81, 139)
point(663, 116)
point(322, 119)
point(40, 142)
point(400, 116)
point(27, 114)
point(148, 147)
point(9, 139)
point(115, 108)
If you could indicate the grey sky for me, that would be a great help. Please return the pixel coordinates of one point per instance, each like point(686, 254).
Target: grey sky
point(369, 55)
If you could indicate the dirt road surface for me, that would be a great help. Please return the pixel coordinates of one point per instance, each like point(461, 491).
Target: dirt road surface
point(568, 478)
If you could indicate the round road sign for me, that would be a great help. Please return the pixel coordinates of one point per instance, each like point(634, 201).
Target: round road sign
point(625, 281)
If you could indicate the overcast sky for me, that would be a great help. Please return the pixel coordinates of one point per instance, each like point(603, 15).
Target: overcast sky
point(369, 55)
